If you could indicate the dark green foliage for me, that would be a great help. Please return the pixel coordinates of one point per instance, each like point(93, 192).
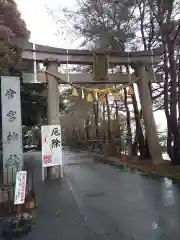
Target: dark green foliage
point(102, 23)
point(12, 27)
point(33, 105)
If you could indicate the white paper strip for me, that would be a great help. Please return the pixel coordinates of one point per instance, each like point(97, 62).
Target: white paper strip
point(20, 189)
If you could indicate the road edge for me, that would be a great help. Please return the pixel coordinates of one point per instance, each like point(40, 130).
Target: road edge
point(116, 161)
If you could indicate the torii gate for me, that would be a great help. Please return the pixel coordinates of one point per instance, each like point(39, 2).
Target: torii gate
point(52, 57)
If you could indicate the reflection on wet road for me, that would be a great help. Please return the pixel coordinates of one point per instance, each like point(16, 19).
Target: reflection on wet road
point(122, 202)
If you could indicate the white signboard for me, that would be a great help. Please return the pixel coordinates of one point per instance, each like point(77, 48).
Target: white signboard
point(11, 123)
point(51, 145)
point(20, 190)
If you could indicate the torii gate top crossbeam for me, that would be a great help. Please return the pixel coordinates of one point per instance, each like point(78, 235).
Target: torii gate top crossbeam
point(86, 56)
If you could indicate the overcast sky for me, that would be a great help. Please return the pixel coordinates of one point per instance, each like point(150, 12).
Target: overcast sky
point(43, 30)
point(40, 23)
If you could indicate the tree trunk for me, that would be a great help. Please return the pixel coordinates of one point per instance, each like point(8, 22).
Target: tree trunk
point(135, 146)
point(117, 126)
point(139, 131)
point(109, 117)
point(87, 129)
point(166, 102)
point(128, 121)
point(173, 103)
point(96, 113)
point(104, 121)
point(147, 154)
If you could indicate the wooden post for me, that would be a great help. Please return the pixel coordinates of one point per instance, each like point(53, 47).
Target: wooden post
point(147, 111)
point(53, 108)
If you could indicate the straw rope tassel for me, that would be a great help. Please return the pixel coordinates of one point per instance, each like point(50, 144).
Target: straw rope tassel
point(90, 90)
point(89, 97)
point(74, 92)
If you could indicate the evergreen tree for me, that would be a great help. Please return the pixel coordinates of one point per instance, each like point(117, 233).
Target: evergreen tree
point(12, 28)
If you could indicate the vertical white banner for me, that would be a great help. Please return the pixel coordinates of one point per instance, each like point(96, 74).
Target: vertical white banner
point(11, 124)
point(20, 188)
point(51, 145)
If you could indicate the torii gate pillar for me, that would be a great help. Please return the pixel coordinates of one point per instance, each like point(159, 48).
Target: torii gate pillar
point(52, 108)
point(148, 116)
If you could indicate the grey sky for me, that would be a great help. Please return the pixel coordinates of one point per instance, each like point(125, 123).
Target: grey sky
point(40, 23)
point(43, 30)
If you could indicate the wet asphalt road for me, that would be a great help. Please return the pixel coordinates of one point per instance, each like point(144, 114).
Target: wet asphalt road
point(120, 203)
point(110, 203)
